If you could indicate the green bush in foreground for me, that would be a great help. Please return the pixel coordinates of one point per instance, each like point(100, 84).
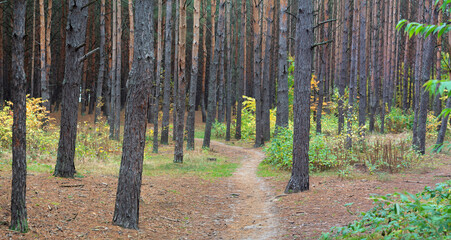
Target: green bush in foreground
point(426, 215)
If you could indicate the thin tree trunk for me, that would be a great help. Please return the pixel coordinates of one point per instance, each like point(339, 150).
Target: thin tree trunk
point(362, 68)
point(42, 43)
point(344, 70)
point(76, 36)
point(126, 211)
point(131, 47)
point(428, 62)
point(159, 76)
point(194, 74)
point(180, 101)
point(299, 180)
point(19, 220)
point(204, 60)
point(175, 75)
point(167, 72)
point(257, 72)
point(266, 105)
point(33, 47)
point(48, 52)
point(219, 39)
point(242, 69)
point(117, 87)
point(443, 127)
point(101, 76)
point(282, 79)
point(112, 82)
point(228, 87)
point(353, 76)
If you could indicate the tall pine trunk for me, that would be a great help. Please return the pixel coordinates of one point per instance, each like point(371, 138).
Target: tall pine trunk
point(158, 77)
point(194, 74)
point(219, 39)
point(180, 101)
point(126, 210)
point(257, 73)
point(282, 79)
point(266, 77)
point(19, 220)
point(101, 76)
point(299, 180)
point(167, 74)
point(76, 36)
point(242, 74)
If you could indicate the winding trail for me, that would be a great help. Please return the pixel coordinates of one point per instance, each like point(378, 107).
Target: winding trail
point(254, 213)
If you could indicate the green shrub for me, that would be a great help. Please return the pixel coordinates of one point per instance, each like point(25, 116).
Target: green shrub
point(425, 215)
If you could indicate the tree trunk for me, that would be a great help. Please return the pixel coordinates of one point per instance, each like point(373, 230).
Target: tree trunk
point(167, 74)
point(242, 75)
point(353, 75)
point(42, 43)
point(158, 77)
point(112, 82)
point(442, 131)
point(299, 180)
point(126, 211)
point(175, 75)
point(194, 74)
point(266, 77)
point(374, 63)
point(228, 87)
point(101, 77)
point(257, 73)
point(33, 47)
point(117, 87)
point(131, 47)
point(76, 36)
point(204, 60)
point(282, 80)
point(428, 62)
point(19, 220)
point(219, 38)
point(362, 69)
point(180, 101)
point(344, 70)
point(48, 53)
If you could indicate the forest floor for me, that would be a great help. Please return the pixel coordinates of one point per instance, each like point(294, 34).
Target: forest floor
point(249, 204)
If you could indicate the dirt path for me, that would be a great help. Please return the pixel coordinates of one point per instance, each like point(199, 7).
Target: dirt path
point(254, 213)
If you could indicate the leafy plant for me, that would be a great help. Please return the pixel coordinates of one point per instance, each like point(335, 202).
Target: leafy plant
point(403, 216)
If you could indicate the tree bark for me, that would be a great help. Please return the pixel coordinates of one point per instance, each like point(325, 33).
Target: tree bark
point(257, 72)
point(126, 211)
point(242, 75)
point(228, 87)
point(299, 180)
point(42, 44)
point(362, 69)
point(219, 39)
point(76, 36)
point(2, 62)
point(443, 127)
point(33, 47)
point(117, 87)
point(180, 101)
point(344, 65)
point(159, 76)
point(19, 220)
point(428, 62)
point(194, 74)
point(282, 80)
point(112, 82)
point(101, 76)
point(204, 60)
point(48, 53)
point(266, 77)
point(167, 74)
point(131, 34)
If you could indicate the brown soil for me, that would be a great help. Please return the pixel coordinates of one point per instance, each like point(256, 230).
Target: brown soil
point(243, 206)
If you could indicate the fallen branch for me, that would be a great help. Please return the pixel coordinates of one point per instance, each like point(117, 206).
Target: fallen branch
point(72, 186)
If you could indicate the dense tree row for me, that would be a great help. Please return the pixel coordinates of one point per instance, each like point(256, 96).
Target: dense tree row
point(101, 56)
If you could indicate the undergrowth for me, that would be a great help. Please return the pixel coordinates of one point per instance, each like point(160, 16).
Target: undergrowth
point(425, 215)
